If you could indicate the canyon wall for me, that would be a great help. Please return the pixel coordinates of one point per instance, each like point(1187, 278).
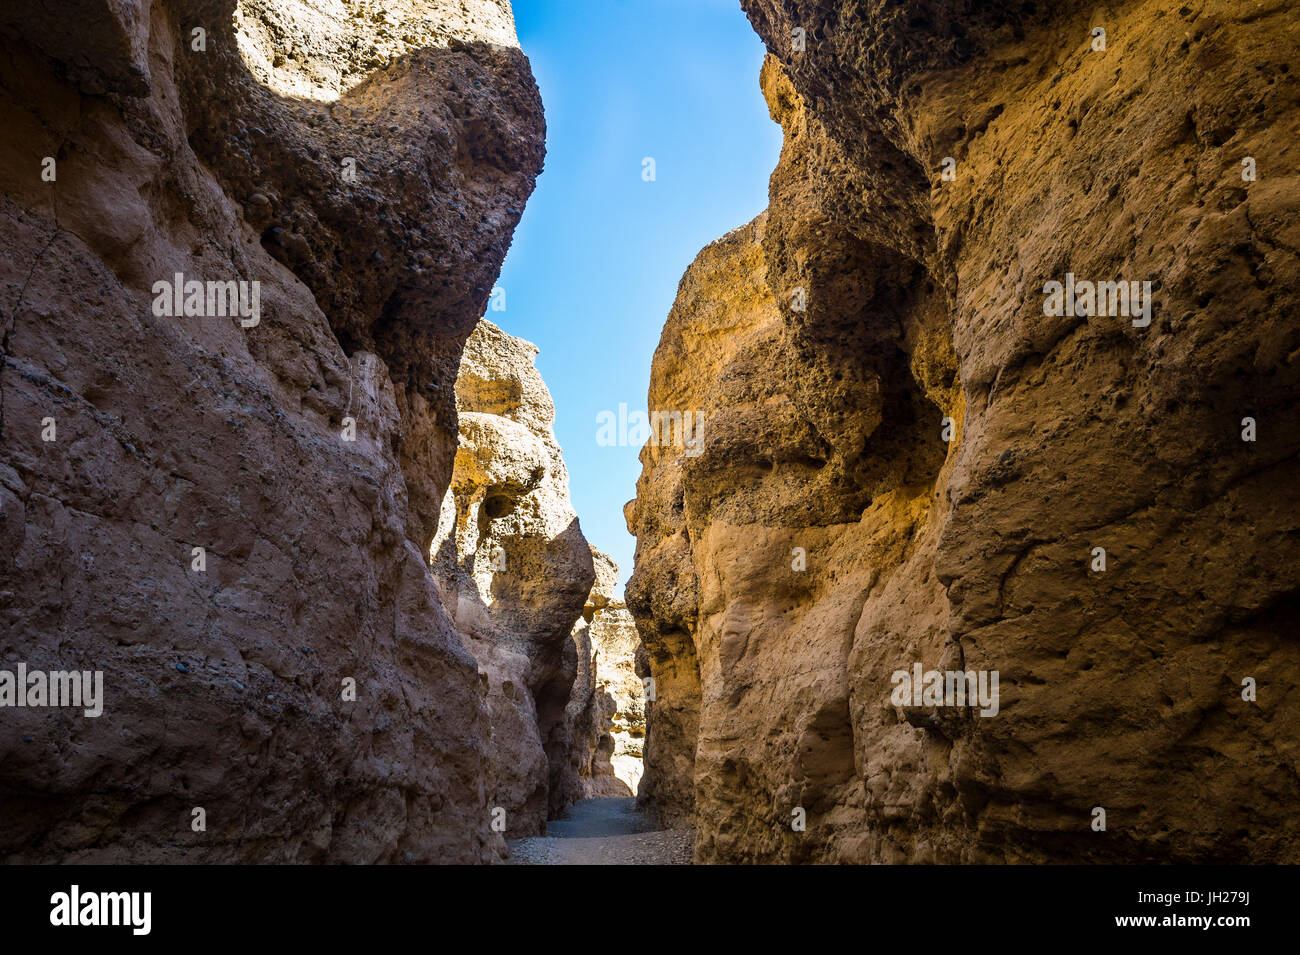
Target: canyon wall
point(230, 517)
point(912, 457)
point(607, 706)
point(515, 573)
point(617, 761)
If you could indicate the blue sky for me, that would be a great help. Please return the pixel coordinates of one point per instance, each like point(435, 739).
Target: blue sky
point(595, 263)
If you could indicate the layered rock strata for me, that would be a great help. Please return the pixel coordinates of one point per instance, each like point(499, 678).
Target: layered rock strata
point(913, 456)
point(226, 509)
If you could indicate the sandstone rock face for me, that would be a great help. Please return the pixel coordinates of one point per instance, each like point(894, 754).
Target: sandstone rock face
point(607, 706)
point(615, 642)
point(829, 536)
point(515, 572)
point(367, 170)
point(612, 763)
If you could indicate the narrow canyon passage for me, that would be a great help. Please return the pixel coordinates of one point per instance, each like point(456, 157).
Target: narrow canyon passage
point(997, 386)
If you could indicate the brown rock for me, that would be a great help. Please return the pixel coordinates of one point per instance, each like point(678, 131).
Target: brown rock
point(515, 572)
point(924, 300)
point(615, 641)
point(224, 689)
point(607, 706)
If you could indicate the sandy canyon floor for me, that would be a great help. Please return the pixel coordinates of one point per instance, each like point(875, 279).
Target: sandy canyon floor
point(604, 832)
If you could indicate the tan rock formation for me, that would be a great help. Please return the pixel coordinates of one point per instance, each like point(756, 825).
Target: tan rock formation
point(515, 572)
point(607, 705)
point(368, 173)
point(615, 639)
point(828, 536)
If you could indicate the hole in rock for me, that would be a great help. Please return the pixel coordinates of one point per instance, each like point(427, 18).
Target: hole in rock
point(498, 505)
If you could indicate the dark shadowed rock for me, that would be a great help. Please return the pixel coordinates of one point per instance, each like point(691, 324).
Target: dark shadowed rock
point(224, 689)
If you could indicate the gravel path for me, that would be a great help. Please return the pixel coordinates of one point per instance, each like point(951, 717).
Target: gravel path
point(604, 832)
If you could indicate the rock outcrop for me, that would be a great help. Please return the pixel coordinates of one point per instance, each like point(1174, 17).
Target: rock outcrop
point(607, 707)
point(911, 456)
point(515, 573)
point(298, 678)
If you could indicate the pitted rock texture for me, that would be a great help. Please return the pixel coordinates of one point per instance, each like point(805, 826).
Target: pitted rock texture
point(224, 688)
point(515, 572)
point(828, 341)
point(607, 705)
point(621, 697)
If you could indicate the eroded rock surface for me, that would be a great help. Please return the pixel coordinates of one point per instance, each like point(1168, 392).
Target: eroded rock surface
point(607, 705)
point(620, 744)
point(233, 162)
point(515, 572)
point(829, 536)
